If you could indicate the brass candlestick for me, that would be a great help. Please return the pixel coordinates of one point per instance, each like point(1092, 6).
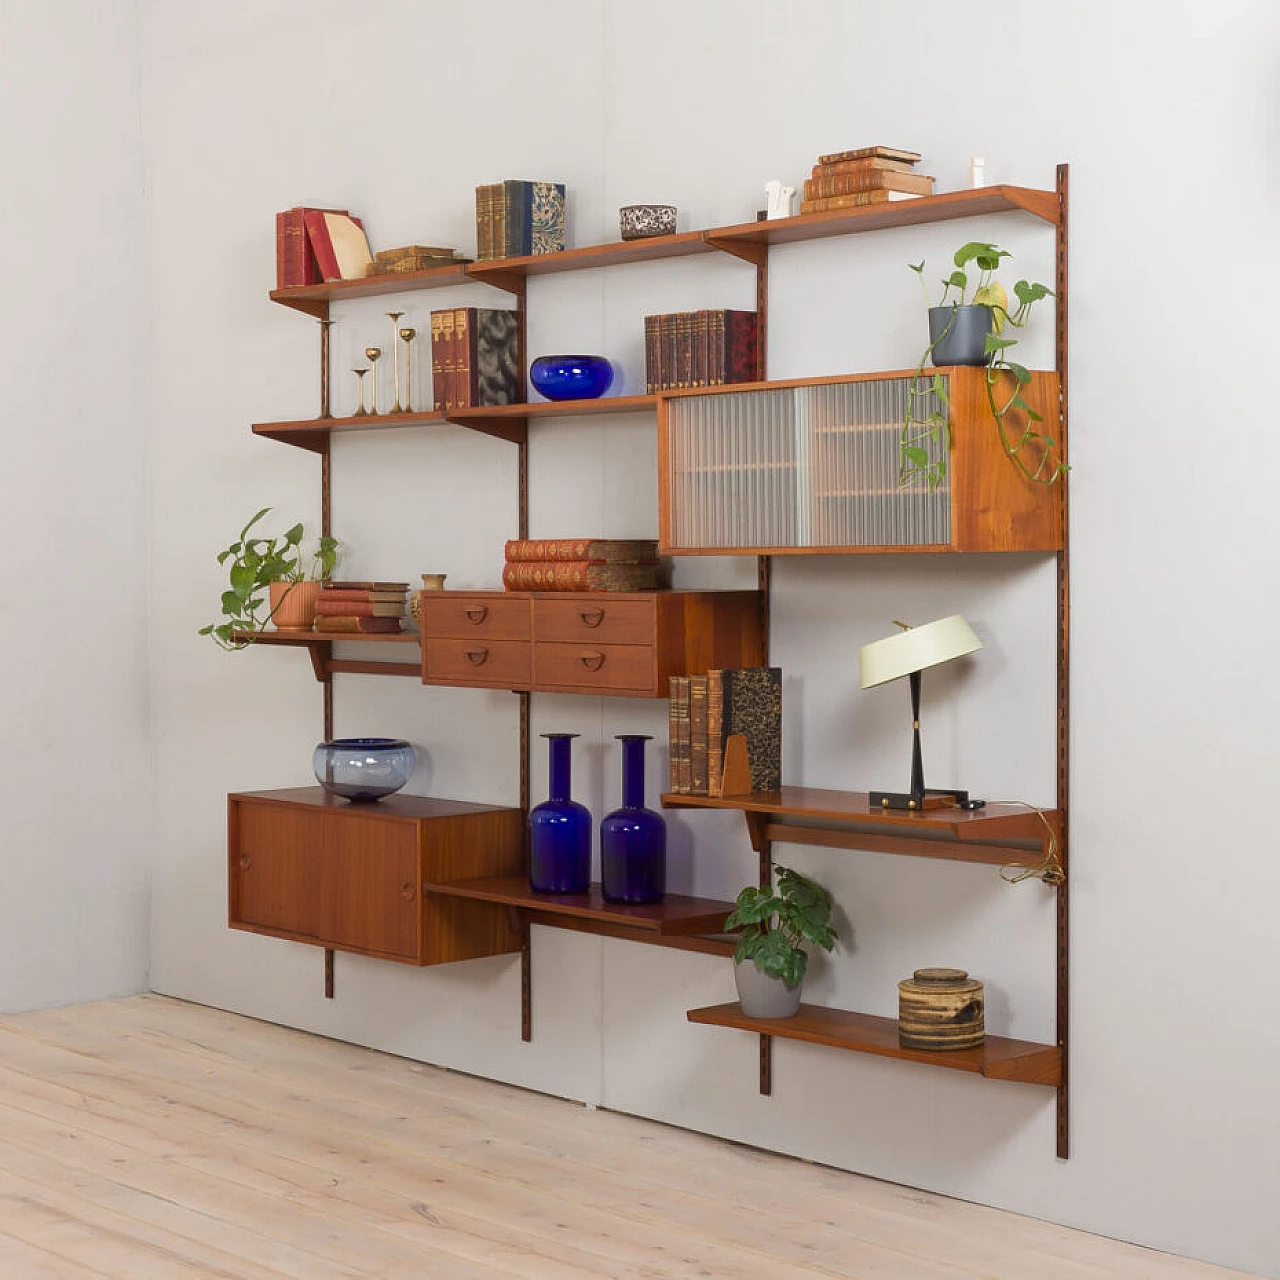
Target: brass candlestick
point(373, 355)
point(407, 335)
point(360, 410)
point(324, 367)
point(395, 361)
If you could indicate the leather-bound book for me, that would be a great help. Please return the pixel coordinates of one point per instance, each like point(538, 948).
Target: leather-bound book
point(594, 550)
point(339, 243)
point(740, 346)
point(580, 575)
point(353, 624)
point(746, 701)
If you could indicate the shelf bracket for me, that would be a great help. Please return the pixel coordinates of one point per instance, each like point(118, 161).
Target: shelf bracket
point(747, 250)
point(322, 659)
point(512, 429)
point(512, 282)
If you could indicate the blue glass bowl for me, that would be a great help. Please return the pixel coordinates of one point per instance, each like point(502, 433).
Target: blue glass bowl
point(571, 377)
point(363, 768)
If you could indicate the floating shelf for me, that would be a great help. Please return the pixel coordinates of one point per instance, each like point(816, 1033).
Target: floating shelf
point(321, 648)
point(746, 240)
point(996, 1059)
point(999, 834)
point(675, 921)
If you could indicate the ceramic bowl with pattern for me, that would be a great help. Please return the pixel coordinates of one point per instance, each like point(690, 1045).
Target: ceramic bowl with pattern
point(639, 221)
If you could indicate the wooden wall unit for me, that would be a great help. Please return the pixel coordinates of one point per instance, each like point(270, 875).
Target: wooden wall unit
point(532, 641)
point(307, 866)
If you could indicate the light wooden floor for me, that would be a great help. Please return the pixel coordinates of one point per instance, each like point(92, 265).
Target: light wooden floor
point(148, 1138)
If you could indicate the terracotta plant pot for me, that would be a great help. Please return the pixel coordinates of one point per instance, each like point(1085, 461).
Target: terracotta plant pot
point(293, 605)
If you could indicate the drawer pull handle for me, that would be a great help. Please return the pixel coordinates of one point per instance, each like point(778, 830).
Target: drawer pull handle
point(477, 657)
point(407, 893)
point(476, 613)
point(591, 617)
point(592, 661)
point(245, 862)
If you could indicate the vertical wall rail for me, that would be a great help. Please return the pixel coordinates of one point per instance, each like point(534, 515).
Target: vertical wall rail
point(1064, 675)
point(764, 580)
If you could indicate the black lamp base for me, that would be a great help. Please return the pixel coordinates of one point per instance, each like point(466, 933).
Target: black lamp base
point(928, 798)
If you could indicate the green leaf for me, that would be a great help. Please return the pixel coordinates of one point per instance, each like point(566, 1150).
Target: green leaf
point(917, 457)
point(1028, 293)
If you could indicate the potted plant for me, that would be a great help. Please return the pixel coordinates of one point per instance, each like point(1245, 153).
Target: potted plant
point(967, 331)
point(770, 962)
point(255, 564)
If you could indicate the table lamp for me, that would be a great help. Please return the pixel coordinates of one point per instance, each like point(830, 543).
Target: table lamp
point(907, 653)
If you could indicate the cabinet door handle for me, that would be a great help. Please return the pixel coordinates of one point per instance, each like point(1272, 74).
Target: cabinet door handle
point(477, 657)
point(245, 862)
point(476, 613)
point(407, 892)
point(591, 617)
point(592, 661)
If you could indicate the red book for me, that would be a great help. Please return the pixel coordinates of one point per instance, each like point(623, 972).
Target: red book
point(392, 595)
point(295, 260)
point(339, 243)
point(359, 608)
point(591, 550)
point(347, 623)
point(740, 357)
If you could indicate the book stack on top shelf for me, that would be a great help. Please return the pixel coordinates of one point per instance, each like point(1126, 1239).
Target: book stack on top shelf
point(475, 358)
point(584, 564)
point(516, 218)
point(362, 608)
point(699, 349)
point(721, 714)
point(867, 175)
point(315, 245)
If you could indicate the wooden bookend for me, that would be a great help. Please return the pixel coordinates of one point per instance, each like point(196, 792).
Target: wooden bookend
point(736, 780)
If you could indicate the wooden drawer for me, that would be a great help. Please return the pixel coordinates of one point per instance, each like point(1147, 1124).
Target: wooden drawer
point(476, 660)
point(594, 619)
point(494, 615)
point(595, 668)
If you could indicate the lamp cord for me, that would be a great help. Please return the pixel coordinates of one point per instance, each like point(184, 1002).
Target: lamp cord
point(1050, 870)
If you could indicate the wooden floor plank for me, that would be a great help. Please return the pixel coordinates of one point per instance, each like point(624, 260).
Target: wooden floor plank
point(149, 1137)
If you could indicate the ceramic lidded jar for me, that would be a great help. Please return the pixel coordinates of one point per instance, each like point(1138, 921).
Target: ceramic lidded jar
point(940, 1009)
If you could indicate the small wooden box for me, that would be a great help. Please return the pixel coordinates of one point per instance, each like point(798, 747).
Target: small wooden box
point(940, 1009)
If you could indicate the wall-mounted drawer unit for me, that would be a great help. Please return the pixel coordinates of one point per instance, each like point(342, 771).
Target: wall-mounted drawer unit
point(622, 643)
point(813, 467)
point(307, 866)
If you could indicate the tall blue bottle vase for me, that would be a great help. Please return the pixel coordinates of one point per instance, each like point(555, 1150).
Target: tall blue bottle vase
point(633, 839)
point(559, 829)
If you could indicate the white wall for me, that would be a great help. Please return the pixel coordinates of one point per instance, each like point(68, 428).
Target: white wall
point(75, 786)
point(398, 111)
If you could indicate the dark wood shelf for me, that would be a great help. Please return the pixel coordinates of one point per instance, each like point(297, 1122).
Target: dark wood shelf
point(999, 834)
point(316, 637)
point(325, 665)
point(314, 299)
point(689, 924)
point(996, 1059)
point(614, 253)
point(313, 433)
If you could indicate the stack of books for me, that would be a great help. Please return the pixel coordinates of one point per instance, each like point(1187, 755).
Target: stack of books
point(475, 358)
point(584, 564)
point(315, 245)
point(413, 257)
point(707, 711)
point(362, 608)
point(514, 219)
point(868, 175)
point(699, 349)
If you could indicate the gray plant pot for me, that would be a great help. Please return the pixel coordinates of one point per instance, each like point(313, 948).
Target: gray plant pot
point(965, 340)
point(762, 996)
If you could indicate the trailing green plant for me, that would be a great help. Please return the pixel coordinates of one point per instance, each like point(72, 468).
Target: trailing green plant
point(253, 564)
point(772, 925)
point(924, 442)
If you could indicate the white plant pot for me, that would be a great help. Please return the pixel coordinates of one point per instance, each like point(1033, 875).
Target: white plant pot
point(763, 996)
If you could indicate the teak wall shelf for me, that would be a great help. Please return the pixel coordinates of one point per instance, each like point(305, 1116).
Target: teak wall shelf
point(987, 512)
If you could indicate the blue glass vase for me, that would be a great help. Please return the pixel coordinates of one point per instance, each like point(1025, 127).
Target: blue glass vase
point(633, 839)
point(571, 377)
point(559, 830)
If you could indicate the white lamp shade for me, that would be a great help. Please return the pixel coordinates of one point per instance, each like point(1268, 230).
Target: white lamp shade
point(914, 649)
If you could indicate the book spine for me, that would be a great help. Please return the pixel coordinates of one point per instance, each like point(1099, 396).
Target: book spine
point(862, 153)
point(517, 225)
point(715, 348)
point(844, 184)
point(715, 732)
point(358, 608)
point(866, 165)
point(651, 369)
point(321, 244)
point(684, 348)
point(741, 356)
point(352, 623)
point(437, 360)
point(464, 363)
point(546, 217)
point(484, 222)
point(678, 734)
point(699, 375)
point(669, 346)
point(581, 575)
point(592, 550)
point(450, 359)
point(295, 263)
point(698, 735)
point(854, 200)
point(375, 595)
